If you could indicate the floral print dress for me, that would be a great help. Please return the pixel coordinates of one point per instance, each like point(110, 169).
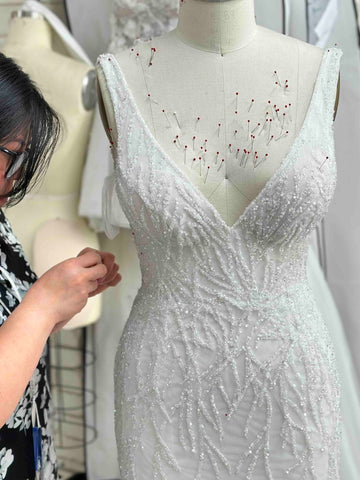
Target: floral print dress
point(16, 442)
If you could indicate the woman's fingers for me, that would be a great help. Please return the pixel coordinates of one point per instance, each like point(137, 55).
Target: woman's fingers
point(89, 258)
point(110, 275)
point(104, 286)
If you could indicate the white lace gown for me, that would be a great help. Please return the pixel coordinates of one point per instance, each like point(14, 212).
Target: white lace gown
point(225, 368)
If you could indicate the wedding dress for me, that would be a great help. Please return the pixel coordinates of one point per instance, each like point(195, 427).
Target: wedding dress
point(225, 368)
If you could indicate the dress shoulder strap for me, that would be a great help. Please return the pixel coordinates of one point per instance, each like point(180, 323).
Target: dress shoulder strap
point(119, 100)
point(329, 81)
point(118, 103)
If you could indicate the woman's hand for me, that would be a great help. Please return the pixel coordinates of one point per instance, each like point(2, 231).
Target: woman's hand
point(111, 278)
point(63, 291)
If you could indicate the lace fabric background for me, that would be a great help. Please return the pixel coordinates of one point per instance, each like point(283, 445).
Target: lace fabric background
point(133, 19)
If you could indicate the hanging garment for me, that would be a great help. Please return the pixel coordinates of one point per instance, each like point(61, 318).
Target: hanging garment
point(225, 368)
point(322, 16)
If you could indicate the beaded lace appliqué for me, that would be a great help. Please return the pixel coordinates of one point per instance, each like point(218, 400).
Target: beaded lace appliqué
point(225, 368)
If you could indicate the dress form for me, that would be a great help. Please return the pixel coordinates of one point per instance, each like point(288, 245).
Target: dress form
point(215, 51)
point(46, 221)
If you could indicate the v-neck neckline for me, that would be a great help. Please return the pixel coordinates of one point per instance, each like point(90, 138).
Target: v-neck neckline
point(198, 194)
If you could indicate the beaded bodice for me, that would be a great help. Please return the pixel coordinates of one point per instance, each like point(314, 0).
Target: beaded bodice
point(225, 322)
point(280, 218)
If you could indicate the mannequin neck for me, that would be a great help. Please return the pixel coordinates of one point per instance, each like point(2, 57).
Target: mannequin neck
point(219, 26)
point(30, 32)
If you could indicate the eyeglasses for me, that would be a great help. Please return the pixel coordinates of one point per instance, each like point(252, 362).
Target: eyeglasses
point(17, 161)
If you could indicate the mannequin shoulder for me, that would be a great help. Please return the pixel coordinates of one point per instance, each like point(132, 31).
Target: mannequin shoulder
point(285, 44)
point(130, 67)
point(310, 58)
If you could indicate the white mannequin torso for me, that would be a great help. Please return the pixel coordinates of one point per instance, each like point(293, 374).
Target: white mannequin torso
point(194, 80)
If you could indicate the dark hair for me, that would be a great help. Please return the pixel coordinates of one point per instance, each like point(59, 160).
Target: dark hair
point(23, 110)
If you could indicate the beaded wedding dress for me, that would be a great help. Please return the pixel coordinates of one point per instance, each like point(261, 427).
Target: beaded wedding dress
point(225, 368)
